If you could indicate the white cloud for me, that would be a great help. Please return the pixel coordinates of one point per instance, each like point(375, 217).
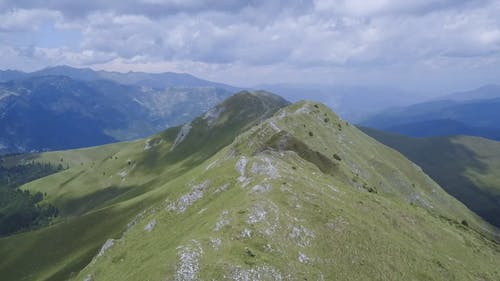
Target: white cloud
point(25, 20)
point(264, 40)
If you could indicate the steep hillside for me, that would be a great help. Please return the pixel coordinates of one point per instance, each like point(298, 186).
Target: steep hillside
point(19, 209)
point(235, 196)
point(105, 187)
point(58, 112)
point(466, 167)
point(302, 195)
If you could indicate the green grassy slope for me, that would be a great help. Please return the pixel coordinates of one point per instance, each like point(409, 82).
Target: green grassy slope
point(466, 167)
point(235, 196)
point(105, 187)
point(301, 196)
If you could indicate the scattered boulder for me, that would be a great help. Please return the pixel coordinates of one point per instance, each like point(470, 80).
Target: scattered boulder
point(150, 226)
point(106, 246)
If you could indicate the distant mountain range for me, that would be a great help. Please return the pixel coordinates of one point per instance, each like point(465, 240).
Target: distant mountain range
point(353, 103)
point(64, 107)
point(153, 80)
point(482, 93)
point(7, 75)
point(467, 113)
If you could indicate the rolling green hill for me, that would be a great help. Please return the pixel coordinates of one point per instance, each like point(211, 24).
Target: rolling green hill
point(251, 190)
point(101, 191)
point(466, 167)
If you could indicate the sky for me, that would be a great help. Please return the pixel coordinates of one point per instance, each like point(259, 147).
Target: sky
point(430, 46)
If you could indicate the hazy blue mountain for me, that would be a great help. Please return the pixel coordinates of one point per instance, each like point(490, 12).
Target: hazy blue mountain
point(154, 80)
point(484, 92)
point(443, 127)
point(64, 70)
point(353, 103)
point(7, 75)
point(464, 116)
point(58, 112)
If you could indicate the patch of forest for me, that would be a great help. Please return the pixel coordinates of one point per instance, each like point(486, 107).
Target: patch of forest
point(21, 210)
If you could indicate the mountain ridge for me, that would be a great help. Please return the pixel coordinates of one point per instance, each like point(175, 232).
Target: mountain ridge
point(261, 160)
point(298, 194)
point(121, 173)
point(155, 80)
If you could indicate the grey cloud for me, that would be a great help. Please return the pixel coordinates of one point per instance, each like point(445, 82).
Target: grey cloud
point(162, 8)
point(392, 7)
point(150, 8)
point(308, 38)
point(25, 20)
point(302, 37)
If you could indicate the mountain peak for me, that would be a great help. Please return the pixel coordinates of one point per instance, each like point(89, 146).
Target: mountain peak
point(286, 196)
point(262, 96)
point(246, 103)
point(64, 67)
point(254, 190)
point(65, 70)
point(215, 129)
